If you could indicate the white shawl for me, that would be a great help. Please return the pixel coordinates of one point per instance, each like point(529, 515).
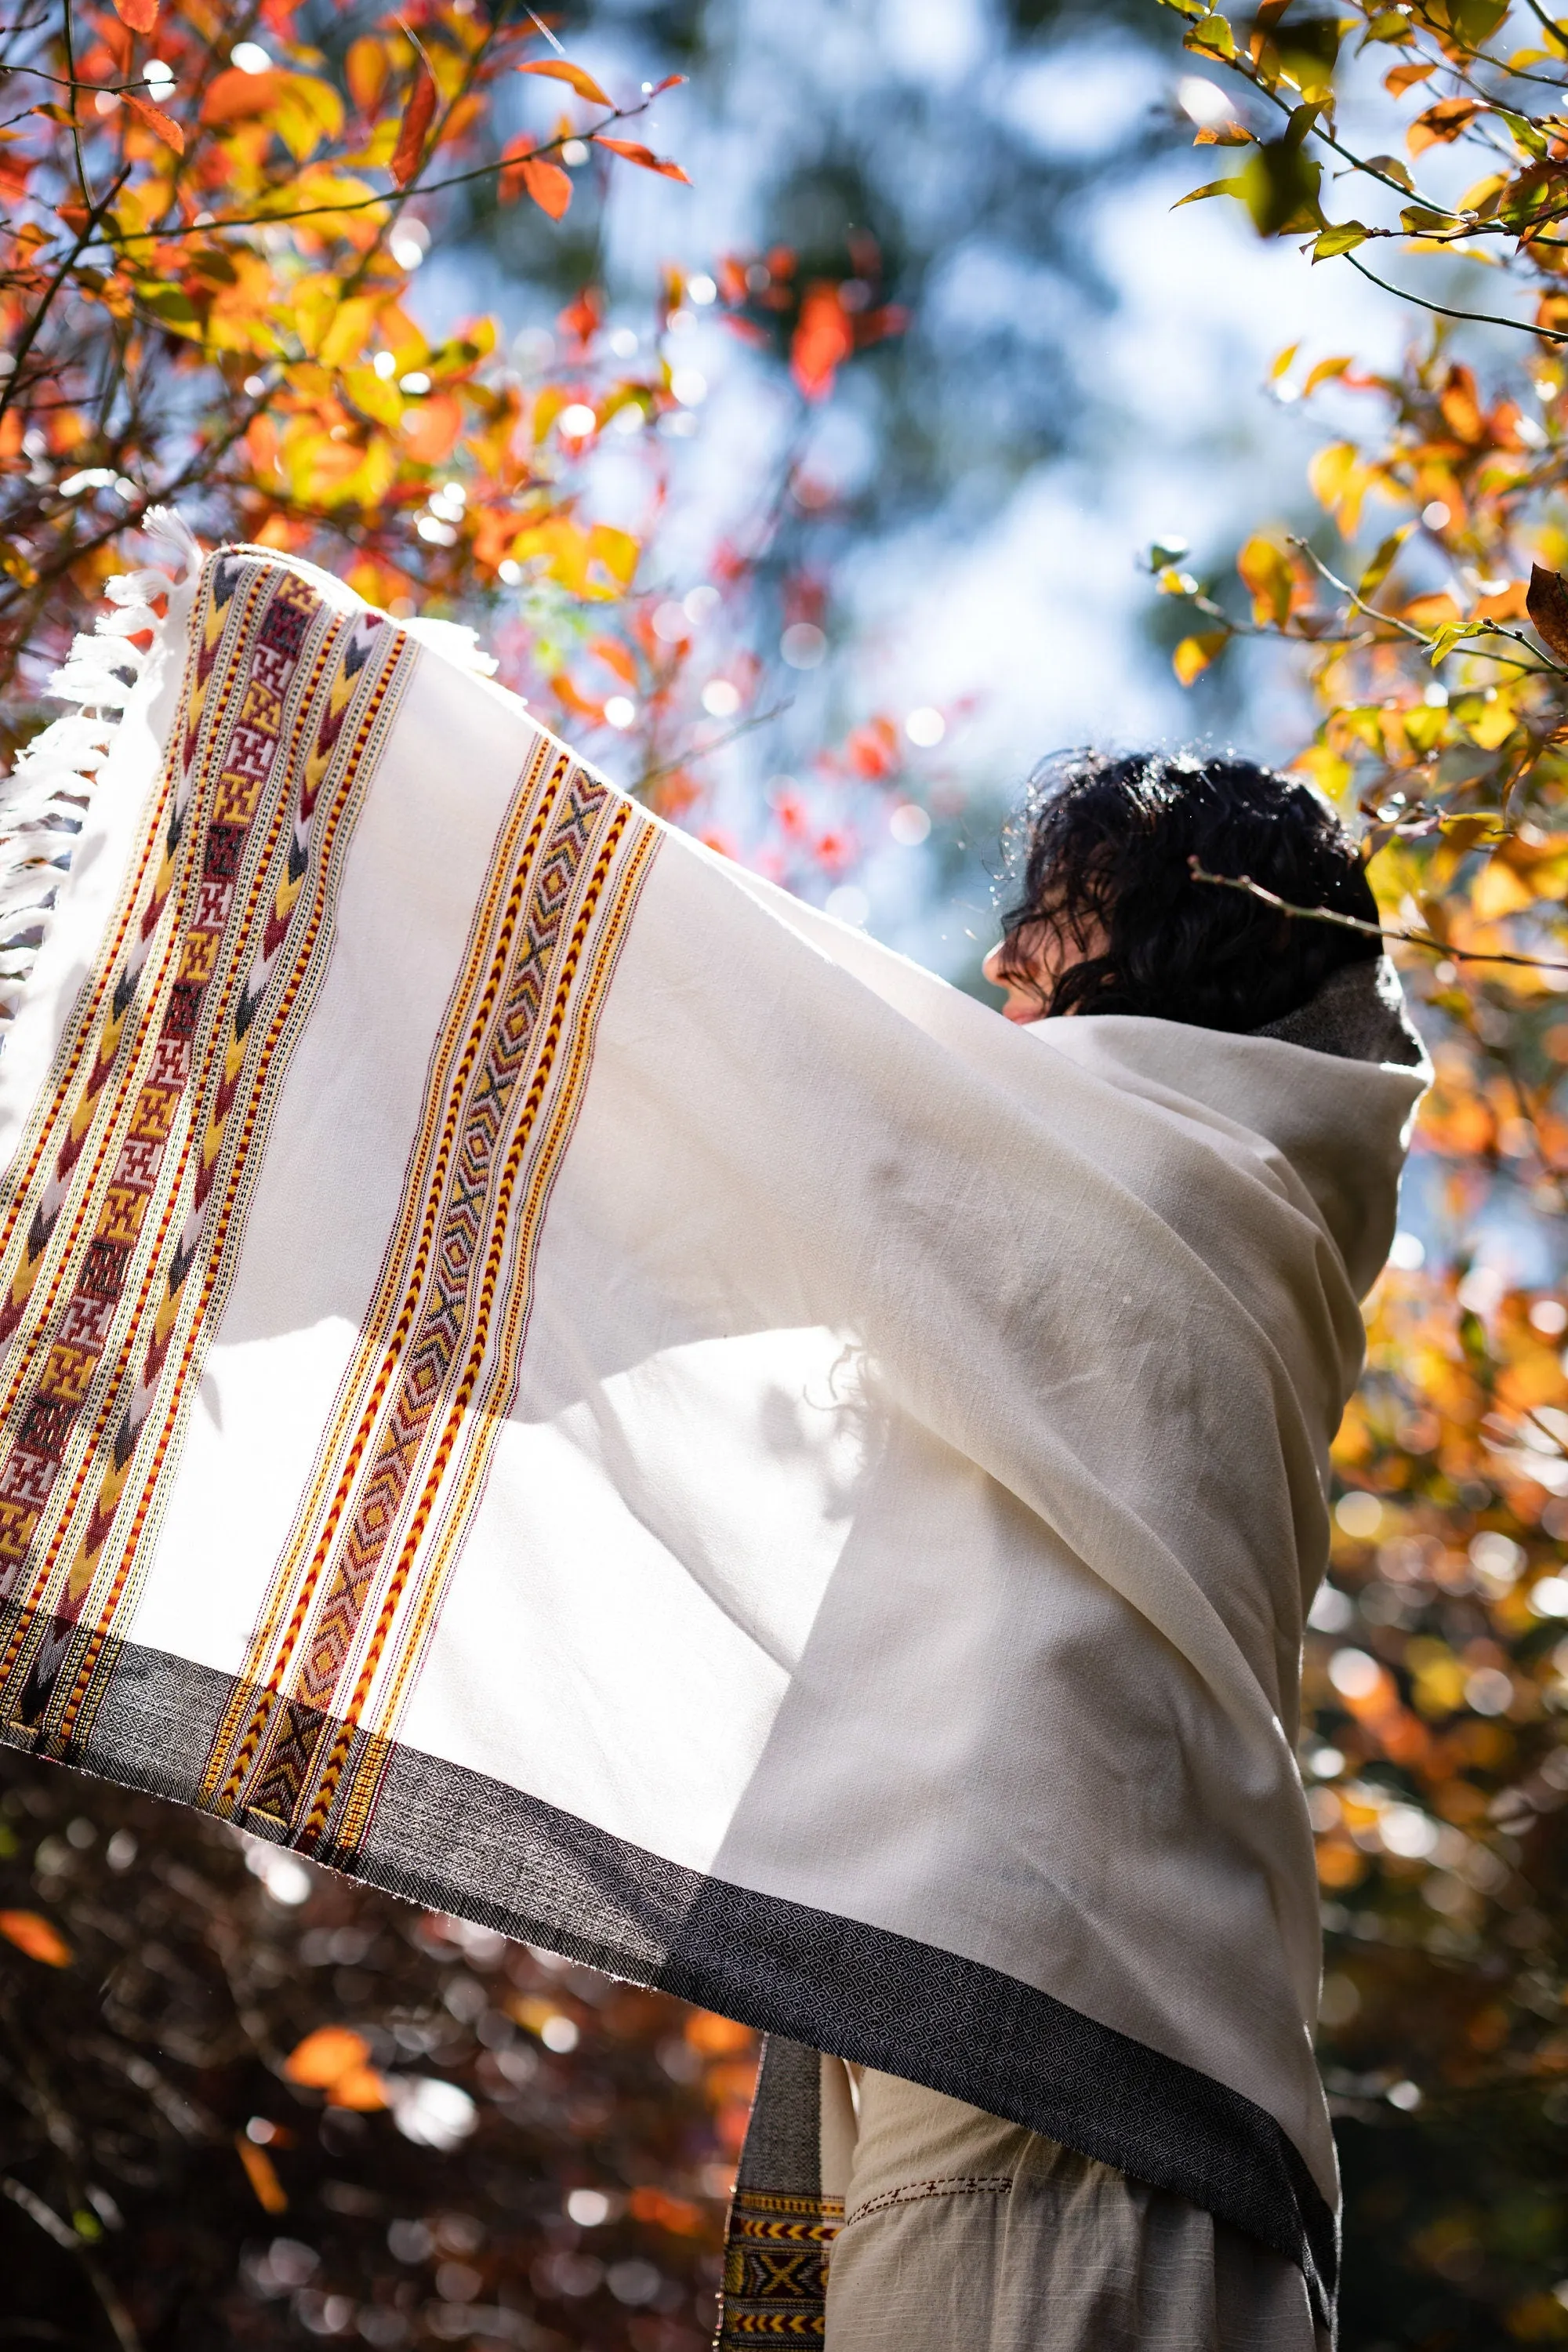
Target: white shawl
point(543, 1372)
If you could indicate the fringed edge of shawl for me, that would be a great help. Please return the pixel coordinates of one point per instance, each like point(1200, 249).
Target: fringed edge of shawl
point(45, 800)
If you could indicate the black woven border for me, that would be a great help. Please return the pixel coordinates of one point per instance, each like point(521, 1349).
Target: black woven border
point(456, 1841)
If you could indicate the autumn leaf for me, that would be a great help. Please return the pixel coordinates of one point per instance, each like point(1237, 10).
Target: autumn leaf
point(365, 69)
point(235, 96)
point(324, 2056)
point(526, 173)
point(1547, 605)
point(139, 15)
point(1194, 655)
point(262, 2175)
point(417, 121)
point(336, 2060)
point(1442, 122)
point(1339, 236)
point(562, 69)
point(823, 339)
point(644, 156)
point(162, 125)
point(1266, 570)
point(31, 1933)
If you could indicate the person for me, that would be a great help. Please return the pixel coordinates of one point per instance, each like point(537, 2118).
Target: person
point(963, 2232)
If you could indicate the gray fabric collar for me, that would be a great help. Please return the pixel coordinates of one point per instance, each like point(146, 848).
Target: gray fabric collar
point(1358, 1014)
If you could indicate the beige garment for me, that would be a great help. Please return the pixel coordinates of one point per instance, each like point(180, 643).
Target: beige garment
point(963, 2233)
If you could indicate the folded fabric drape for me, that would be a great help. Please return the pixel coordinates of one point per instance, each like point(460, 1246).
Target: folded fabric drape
point(539, 1372)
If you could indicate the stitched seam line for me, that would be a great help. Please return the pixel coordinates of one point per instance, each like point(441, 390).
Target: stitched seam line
point(970, 2185)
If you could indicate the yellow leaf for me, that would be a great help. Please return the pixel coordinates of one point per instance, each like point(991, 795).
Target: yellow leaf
point(31, 1933)
point(1194, 655)
point(348, 333)
point(1267, 573)
point(1340, 481)
point(1495, 724)
point(1326, 770)
point(1499, 891)
point(617, 551)
point(366, 68)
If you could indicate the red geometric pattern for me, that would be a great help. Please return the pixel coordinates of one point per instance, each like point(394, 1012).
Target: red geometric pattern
point(274, 1760)
point(132, 1189)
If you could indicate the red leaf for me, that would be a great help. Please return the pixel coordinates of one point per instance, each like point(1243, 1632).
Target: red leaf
point(559, 70)
point(823, 339)
point(416, 124)
point(164, 126)
point(139, 15)
point(645, 156)
point(670, 81)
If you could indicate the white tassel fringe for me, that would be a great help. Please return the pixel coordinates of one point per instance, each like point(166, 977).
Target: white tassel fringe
point(43, 801)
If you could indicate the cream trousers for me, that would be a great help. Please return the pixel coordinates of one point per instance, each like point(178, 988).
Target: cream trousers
point(962, 2233)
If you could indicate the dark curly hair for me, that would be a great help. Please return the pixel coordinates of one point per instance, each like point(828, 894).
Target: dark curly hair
point(1106, 844)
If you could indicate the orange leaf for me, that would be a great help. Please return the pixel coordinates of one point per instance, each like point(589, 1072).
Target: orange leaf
point(416, 122)
point(360, 2088)
point(430, 428)
point(366, 67)
point(615, 657)
point(261, 2173)
point(645, 156)
point(823, 339)
point(530, 174)
point(235, 96)
point(325, 2056)
point(164, 126)
point(1403, 78)
point(32, 1934)
point(139, 15)
point(1441, 123)
point(559, 69)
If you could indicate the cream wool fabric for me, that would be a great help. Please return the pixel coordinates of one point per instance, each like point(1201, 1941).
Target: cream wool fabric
point(546, 1373)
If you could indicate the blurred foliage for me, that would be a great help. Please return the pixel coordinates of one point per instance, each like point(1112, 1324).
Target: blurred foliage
point(266, 2106)
point(1432, 613)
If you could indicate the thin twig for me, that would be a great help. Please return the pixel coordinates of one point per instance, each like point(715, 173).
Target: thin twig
point(1251, 889)
point(1447, 310)
point(746, 727)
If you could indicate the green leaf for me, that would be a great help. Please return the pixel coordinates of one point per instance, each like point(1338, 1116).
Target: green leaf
point(1212, 35)
point(170, 303)
point(1420, 220)
point(1441, 644)
point(1525, 133)
point(1278, 184)
point(1339, 236)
